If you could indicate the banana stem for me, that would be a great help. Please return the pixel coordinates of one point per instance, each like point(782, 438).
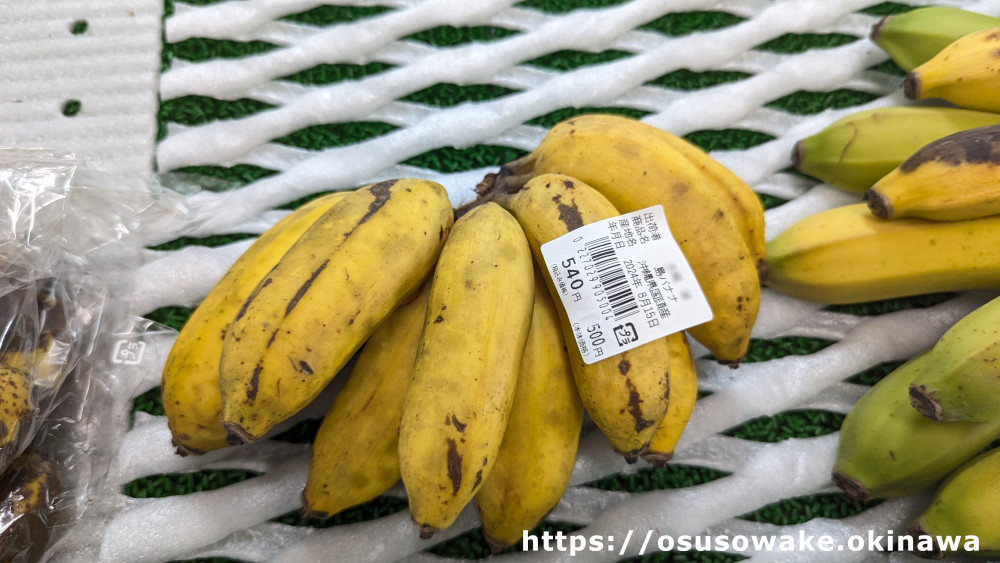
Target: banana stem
point(509, 179)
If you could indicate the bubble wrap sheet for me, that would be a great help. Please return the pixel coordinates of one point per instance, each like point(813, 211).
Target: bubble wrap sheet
point(235, 521)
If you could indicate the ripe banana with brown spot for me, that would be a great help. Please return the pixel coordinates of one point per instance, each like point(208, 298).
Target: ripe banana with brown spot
point(625, 394)
point(355, 453)
point(28, 492)
point(192, 400)
point(17, 411)
point(536, 456)
point(746, 209)
point(459, 400)
point(325, 297)
point(949, 179)
point(635, 166)
point(683, 395)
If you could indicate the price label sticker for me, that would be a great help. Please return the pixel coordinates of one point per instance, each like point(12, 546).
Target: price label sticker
point(624, 282)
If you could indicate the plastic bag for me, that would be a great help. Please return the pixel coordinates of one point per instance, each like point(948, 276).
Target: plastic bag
point(69, 239)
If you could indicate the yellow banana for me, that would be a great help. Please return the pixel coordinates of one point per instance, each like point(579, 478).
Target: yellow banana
point(888, 449)
point(536, 456)
point(964, 513)
point(853, 152)
point(949, 179)
point(682, 397)
point(355, 452)
point(459, 400)
point(964, 73)
point(30, 488)
point(634, 165)
point(747, 209)
point(192, 400)
point(912, 38)
point(325, 297)
point(961, 381)
point(847, 255)
point(625, 394)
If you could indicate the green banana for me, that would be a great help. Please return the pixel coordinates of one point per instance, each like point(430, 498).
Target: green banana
point(853, 152)
point(950, 179)
point(888, 449)
point(912, 38)
point(847, 255)
point(964, 512)
point(961, 381)
point(324, 298)
point(964, 73)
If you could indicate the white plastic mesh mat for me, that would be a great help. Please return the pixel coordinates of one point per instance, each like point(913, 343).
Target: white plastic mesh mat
point(256, 141)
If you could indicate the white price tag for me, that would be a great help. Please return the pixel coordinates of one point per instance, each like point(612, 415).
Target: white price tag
point(624, 282)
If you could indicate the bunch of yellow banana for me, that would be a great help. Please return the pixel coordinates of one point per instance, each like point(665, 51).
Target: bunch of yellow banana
point(470, 374)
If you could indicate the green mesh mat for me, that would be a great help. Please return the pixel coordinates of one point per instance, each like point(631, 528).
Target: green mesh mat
point(193, 110)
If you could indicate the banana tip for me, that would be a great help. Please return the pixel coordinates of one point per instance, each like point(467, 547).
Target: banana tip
point(851, 486)
point(924, 402)
point(878, 204)
point(917, 530)
point(236, 435)
point(798, 155)
point(876, 31)
point(496, 546)
point(911, 86)
point(657, 459)
point(185, 451)
point(427, 531)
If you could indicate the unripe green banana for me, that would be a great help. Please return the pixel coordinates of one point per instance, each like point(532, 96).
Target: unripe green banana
point(912, 38)
point(355, 454)
point(847, 255)
point(965, 73)
point(457, 406)
point(853, 152)
point(888, 449)
point(950, 179)
point(961, 381)
point(965, 512)
point(324, 298)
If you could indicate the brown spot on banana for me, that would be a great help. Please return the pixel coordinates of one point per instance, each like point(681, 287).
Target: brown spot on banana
point(479, 479)
point(635, 407)
point(305, 287)
point(980, 145)
point(250, 299)
point(570, 216)
point(624, 366)
point(454, 467)
point(254, 383)
point(458, 425)
point(382, 192)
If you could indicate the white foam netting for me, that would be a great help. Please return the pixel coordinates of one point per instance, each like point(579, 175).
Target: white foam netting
point(234, 521)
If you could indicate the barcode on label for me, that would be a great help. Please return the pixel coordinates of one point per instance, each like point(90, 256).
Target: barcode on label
point(611, 274)
point(614, 281)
